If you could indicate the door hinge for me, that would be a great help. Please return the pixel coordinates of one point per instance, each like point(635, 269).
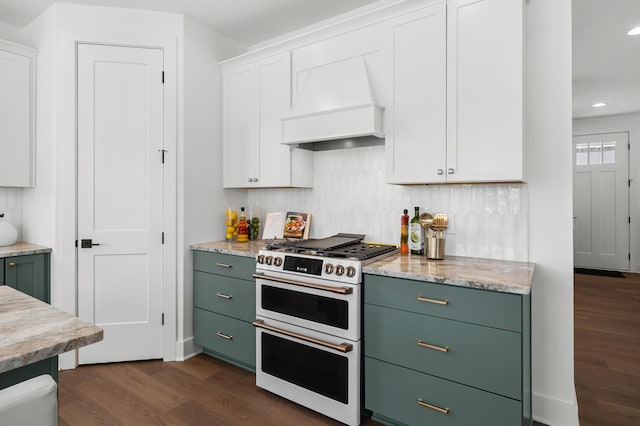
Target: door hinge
point(629, 146)
point(162, 77)
point(76, 243)
point(163, 151)
point(163, 238)
point(629, 182)
point(163, 318)
point(629, 219)
point(629, 256)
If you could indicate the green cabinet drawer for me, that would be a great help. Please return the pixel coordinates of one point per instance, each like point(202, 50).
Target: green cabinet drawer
point(493, 309)
point(478, 356)
point(1, 271)
point(392, 393)
point(227, 337)
point(225, 295)
point(224, 264)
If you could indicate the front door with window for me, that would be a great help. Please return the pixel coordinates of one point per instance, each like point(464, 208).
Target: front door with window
point(601, 201)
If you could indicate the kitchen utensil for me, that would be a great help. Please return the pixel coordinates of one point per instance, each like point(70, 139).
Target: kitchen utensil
point(440, 223)
point(426, 220)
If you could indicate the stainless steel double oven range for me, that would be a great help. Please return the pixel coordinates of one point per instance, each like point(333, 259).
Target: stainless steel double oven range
point(309, 321)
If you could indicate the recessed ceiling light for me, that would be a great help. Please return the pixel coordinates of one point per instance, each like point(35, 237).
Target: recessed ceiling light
point(634, 31)
point(599, 105)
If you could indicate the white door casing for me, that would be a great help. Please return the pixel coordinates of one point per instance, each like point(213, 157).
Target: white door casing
point(601, 201)
point(120, 200)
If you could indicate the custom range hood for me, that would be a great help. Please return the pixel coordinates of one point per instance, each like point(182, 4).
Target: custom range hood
point(335, 101)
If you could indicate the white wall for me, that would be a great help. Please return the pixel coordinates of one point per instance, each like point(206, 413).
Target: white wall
point(10, 32)
point(201, 197)
point(549, 174)
point(622, 123)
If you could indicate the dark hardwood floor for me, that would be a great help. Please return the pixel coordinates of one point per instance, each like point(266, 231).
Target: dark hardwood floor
point(199, 391)
point(206, 391)
point(607, 349)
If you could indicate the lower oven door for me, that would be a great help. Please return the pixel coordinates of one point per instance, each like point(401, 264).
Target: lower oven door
point(317, 371)
point(322, 305)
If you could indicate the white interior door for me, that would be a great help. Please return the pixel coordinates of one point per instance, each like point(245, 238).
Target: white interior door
point(120, 199)
point(601, 201)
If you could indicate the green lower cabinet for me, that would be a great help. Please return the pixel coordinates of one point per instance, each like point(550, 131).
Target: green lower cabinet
point(229, 338)
point(397, 393)
point(29, 274)
point(474, 355)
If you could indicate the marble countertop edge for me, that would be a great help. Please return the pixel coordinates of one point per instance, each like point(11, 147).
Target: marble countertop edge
point(22, 249)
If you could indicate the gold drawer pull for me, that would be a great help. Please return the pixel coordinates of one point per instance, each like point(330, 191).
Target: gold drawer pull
point(433, 407)
point(12, 264)
point(224, 296)
point(436, 301)
point(224, 336)
point(435, 348)
point(224, 265)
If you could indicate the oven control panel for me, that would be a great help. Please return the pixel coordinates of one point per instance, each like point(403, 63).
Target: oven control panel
point(330, 268)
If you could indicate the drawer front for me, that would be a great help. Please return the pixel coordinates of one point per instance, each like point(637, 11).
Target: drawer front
point(482, 357)
point(493, 309)
point(229, 296)
point(1, 271)
point(224, 264)
point(393, 392)
point(239, 344)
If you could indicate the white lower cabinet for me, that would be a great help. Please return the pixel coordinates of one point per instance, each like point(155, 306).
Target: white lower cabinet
point(256, 98)
point(17, 114)
point(457, 74)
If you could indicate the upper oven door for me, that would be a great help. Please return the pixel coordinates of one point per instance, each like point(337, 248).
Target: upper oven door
point(312, 303)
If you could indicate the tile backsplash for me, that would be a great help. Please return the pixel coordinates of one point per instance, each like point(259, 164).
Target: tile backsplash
point(11, 206)
point(349, 195)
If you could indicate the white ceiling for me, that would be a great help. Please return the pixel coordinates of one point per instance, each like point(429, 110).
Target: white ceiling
point(246, 21)
point(606, 61)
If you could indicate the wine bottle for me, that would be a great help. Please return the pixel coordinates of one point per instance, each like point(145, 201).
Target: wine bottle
point(416, 234)
point(404, 233)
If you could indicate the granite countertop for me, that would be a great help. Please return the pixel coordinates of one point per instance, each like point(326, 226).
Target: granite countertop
point(22, 248)
point(32, 330)
point(248, 249)
point(486, 274)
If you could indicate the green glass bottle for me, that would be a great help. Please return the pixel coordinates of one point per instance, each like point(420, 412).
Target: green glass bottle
point(416, 234)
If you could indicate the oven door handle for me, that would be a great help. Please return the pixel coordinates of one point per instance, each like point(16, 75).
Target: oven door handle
point(339, 290)
point(342, 347)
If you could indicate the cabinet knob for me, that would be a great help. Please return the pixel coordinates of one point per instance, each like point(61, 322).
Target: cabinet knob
point(255, 179)
point(250, 180)
point(12, 264)
point(450, 171)
point(440, 172)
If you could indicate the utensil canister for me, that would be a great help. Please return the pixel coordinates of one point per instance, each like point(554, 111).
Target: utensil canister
point(436, 248)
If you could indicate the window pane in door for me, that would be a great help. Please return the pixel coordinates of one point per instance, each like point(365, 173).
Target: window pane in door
point(595, 153)
point(582, 154)
point(609, 152)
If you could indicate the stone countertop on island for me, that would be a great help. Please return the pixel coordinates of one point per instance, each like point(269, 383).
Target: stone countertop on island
point(22, 249)
point(248, 249)
point(32, 330)
point(485, 274)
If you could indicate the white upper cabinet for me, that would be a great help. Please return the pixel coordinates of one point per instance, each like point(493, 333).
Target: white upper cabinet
point(457, 76)
point(485, 89)
point(256, 98)
point(416, 120)
point(17, 114)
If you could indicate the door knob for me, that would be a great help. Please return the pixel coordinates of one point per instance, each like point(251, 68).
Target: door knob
point(88, 243)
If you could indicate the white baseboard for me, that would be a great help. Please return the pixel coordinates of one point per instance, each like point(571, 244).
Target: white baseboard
point(554, 412)
point(67, 360)
point(187, 349)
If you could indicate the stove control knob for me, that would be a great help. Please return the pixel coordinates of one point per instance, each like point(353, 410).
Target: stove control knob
point(339, 270)
point(351, 271)
point(260, 259)
point(328, 269)
point(269, 260)
point(277, 261)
